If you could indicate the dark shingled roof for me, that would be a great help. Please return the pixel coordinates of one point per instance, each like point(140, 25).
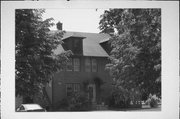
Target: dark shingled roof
point(91, 43)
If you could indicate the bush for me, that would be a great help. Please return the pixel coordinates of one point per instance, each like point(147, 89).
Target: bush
point(63, 104)
point(118, 99)
point(79, 102)
point(153, 103)
point(153, 100)
point(75, 102)
point(110, 101)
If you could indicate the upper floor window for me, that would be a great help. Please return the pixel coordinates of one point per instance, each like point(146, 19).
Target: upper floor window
point(87, 65)
point(76, 64)
point(94, 65)
point(73, 64)
point(69, 65)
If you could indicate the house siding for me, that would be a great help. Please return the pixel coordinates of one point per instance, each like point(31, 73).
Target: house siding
point(49, 90)
point(62, 78)
point(83, 45)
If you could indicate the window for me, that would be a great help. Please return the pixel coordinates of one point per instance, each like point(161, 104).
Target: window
point(77, 46)
point(90, 65)
point(69, 89)
point(94, 65)
point(22, 108)
point(76, 62)
point(72, 88)
point(73, 64)
point(76, 43)
point(77, 88)
point(87, 65)
point(69, 65)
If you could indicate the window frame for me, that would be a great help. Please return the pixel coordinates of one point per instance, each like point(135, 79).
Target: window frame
point(69, 64)
point(91, 64)
point(76, 64)
point(75, 88)
point(67, 86)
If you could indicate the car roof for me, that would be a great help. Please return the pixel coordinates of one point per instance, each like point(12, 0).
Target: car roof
point(31, 106)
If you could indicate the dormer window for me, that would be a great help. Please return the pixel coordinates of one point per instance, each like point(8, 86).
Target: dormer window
point(77, 46)
point(74, 42)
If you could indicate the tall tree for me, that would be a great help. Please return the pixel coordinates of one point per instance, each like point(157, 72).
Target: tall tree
point(35, 59)
point(136, 48)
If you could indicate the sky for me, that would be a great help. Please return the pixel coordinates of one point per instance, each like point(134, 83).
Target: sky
point(80, 20)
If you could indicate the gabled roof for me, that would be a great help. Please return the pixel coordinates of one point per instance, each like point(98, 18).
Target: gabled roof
point(91, 43)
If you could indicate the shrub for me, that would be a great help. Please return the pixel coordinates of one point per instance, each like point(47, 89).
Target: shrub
point(153, 103)
point(110, 101)
point(79, 102)
point(75, 102)
point(118, 99)
point(63, 104)
point(153, 100)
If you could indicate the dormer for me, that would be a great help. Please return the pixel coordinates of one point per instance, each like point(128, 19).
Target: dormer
point(105, 44)
point(74, 42)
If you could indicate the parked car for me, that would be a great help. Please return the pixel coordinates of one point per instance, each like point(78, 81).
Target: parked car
point(30, 108)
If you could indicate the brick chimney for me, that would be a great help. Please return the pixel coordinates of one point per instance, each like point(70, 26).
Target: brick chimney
point(59, 25)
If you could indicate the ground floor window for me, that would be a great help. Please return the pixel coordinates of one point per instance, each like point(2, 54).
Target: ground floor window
point(72, 88)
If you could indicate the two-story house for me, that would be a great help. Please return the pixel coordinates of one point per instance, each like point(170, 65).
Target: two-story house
point(85, 69)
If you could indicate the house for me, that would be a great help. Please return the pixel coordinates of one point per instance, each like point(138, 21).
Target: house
point(84, 74)
point(85, 71)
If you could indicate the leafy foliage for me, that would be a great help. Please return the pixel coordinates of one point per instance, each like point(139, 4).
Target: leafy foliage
point(35, 60)
point(136, 48)
point(153, 100)
point(75, 102)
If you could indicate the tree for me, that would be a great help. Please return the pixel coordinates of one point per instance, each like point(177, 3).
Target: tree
point(35, 60)
point(135, 59)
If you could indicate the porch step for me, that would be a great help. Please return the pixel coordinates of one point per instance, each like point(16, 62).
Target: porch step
point(96, 106)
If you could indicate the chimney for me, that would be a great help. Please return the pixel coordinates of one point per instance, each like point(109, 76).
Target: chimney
point(59, 25)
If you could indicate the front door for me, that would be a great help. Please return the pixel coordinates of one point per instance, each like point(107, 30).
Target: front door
point(92, 92)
